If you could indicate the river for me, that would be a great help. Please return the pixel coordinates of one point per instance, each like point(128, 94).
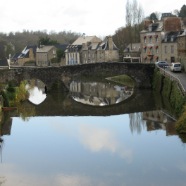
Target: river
point(62, 141)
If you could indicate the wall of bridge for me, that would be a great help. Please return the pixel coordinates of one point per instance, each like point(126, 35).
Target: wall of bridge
point(141, 73)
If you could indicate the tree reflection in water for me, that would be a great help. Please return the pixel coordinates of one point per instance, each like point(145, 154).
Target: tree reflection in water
point(152, 120)
point(136, 122)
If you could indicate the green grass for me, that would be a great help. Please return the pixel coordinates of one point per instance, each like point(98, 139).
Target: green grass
point(122, 79)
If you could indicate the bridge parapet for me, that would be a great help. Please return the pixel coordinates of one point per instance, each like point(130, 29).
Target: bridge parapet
point(141, 73)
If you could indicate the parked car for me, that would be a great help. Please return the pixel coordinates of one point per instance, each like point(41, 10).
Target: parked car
point(162, 64)
point(175, 67)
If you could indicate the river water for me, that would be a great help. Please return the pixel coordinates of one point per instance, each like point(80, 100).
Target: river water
point(62, 141)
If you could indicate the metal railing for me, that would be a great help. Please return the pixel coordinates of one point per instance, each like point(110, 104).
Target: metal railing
point(173, 78)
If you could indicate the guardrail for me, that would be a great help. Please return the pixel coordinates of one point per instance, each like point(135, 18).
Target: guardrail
point(173, 78)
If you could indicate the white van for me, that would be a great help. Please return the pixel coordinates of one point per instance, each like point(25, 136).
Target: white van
point(175, 67)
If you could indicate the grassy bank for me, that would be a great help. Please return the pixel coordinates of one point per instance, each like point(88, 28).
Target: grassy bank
point(122, 79)
point(170, 91)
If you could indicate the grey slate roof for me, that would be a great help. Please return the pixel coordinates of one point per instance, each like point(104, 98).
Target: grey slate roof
point(170, 37)
point(25, 52)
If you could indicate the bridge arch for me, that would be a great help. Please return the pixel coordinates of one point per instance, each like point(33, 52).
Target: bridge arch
point(141, 73)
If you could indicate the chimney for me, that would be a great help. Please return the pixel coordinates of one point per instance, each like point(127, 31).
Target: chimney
point(110, 42)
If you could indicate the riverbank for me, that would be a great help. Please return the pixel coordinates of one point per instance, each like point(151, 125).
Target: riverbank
point(169, 89)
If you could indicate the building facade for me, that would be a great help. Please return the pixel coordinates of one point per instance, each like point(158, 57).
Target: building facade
point(159, 40)
point(181, 40)
point(91, 49)
point(44, 55)
point(132, 53)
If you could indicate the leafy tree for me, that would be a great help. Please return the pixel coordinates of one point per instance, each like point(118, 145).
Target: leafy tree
point(46, 41)
point(60, 54)
point(182, 12)
point(153, 17)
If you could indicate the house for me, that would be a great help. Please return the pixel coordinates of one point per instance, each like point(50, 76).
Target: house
point(107, 51)
point(132, 53)
point(45, 55)
point(73, 53)
point(91, 49)
point(181, 40)
point(27, 55)
point(159, 40)
point(169, 46)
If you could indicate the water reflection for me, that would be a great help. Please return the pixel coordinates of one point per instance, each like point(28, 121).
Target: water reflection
point(152, 120)
point(99, 93)
point(83, 151)
point(36, 89)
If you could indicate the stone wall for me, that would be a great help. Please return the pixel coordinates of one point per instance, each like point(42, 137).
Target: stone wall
point(141, 73)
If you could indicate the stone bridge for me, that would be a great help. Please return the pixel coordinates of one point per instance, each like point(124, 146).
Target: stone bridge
point(141, 73)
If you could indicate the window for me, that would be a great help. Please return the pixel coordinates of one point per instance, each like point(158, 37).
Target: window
point(145, 40)
point(150, 39)
point(156, 49)
point(156, 38)
point(145, 49)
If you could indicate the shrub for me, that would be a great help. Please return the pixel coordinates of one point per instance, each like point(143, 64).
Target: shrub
point(181, 122)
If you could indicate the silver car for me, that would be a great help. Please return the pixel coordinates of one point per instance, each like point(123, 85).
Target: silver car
point(175, 67)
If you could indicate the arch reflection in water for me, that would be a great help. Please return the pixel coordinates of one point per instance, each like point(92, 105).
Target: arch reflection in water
point(99, 93)
point(36, 90)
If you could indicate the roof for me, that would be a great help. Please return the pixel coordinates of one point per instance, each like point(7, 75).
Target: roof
point(61, 46)
point(84, 39)
point(104, 45)
point(170, 36)
point(44, 49)
point(25, 52)
point(154, 27)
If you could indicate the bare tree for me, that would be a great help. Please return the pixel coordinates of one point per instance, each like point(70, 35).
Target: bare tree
point(134, 16)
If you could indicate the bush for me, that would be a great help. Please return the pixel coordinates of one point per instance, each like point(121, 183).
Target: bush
point(181, 122)
point(54, 60)
point(177, 100)
point(157, 81)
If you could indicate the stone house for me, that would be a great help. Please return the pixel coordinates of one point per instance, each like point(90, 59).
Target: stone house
point(45, 54)
point(74, 50)
point(132, 53)
point(181, 40)
point(169, 47)
point(91, 49)
point(107, 51)
point(159, 40)
point(27, 55)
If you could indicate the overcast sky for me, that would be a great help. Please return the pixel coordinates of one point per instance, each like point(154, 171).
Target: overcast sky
point(92, 17)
